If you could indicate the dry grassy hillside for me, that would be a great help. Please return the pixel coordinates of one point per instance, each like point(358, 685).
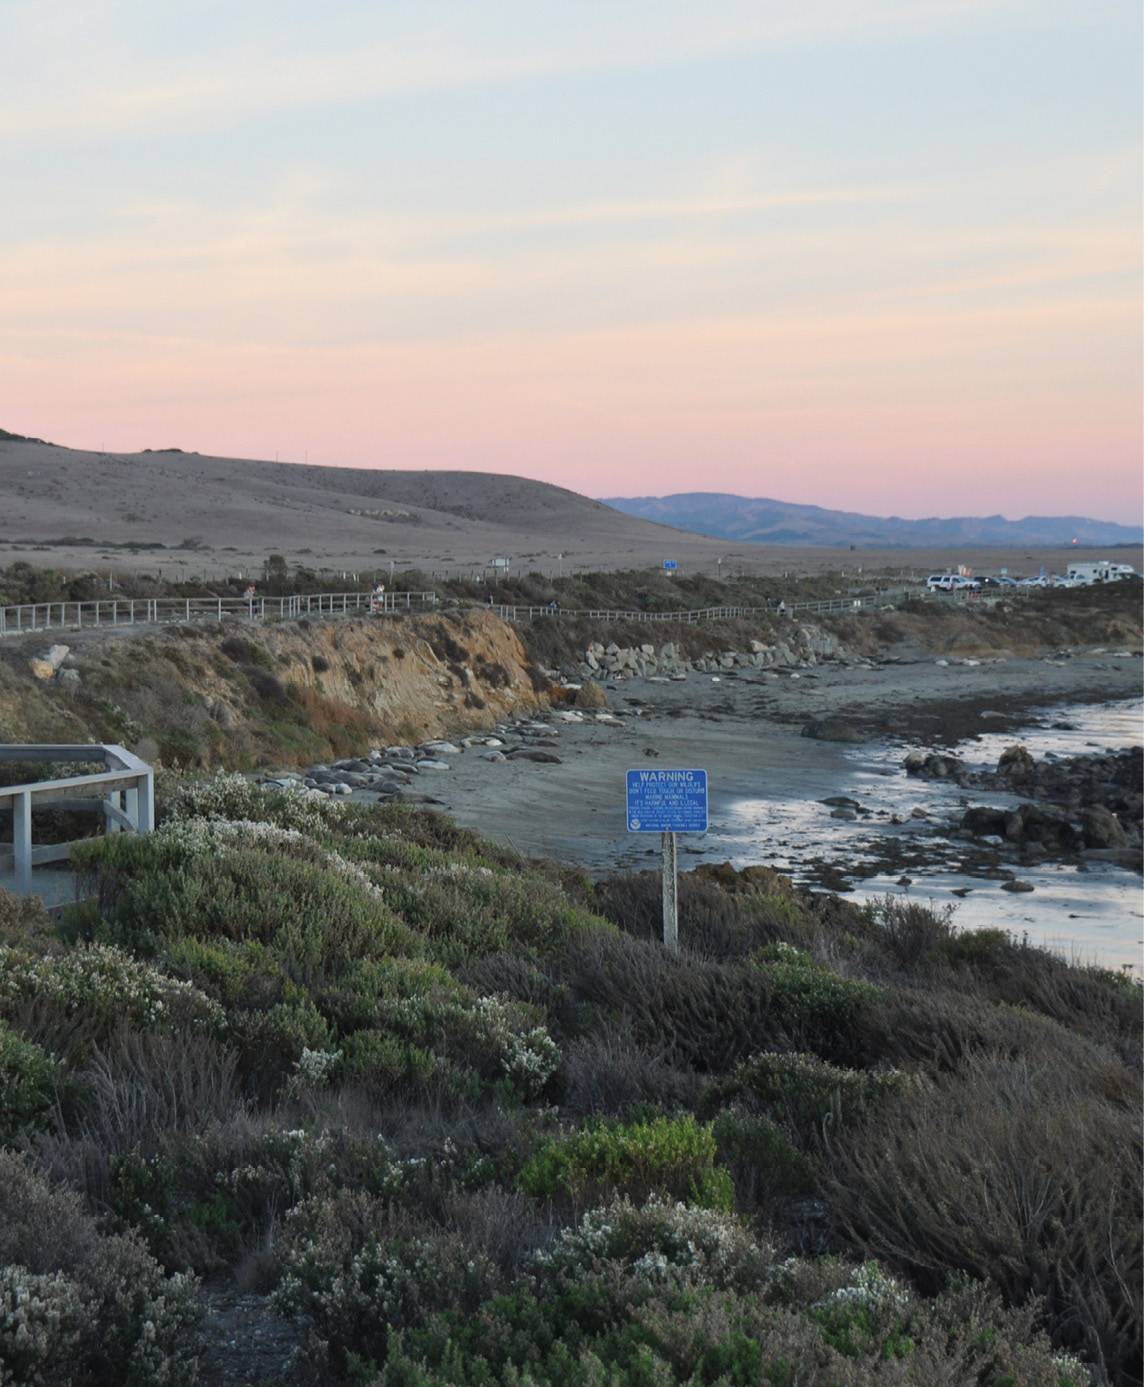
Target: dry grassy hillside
point(227, 512)
point(198, 516)
point(210, 695)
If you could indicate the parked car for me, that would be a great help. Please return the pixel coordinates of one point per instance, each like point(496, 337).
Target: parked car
point(951, 582)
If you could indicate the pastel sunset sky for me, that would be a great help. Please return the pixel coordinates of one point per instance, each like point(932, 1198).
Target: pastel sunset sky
point(878, 255)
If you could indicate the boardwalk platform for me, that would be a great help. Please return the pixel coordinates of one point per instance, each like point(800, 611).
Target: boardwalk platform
point(55, 886)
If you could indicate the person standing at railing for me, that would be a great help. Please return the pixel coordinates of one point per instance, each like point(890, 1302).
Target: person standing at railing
point(249, 596)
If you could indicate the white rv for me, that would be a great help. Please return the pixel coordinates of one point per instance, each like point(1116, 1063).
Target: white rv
point(1102, 572)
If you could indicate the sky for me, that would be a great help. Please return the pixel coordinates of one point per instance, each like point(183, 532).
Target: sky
point(875, 255)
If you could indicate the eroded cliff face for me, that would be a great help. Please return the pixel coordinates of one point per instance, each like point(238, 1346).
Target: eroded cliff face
point(419, 676)
point(284, 693)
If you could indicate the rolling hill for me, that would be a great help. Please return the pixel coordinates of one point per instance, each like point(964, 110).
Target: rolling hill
point(762, 521)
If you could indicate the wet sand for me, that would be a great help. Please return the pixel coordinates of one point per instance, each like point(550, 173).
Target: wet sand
point(747, 733)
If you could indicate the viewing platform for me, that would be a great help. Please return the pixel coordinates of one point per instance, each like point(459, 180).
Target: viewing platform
point(123, 793)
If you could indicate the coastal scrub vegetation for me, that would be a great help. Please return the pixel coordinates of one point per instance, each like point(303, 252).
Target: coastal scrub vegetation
point(458, 1118)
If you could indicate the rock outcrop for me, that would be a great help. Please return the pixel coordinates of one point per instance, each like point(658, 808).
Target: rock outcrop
point(800, 647)
point(1068, 806)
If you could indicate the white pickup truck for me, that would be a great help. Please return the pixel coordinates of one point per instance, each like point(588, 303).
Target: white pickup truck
point(950, 582)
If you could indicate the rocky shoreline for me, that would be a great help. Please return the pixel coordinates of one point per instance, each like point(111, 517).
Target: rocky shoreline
point(552, 785)
point(1069, 808)
point(803, 648)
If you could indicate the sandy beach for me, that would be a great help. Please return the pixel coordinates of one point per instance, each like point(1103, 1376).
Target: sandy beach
point(766, 775)
point(747, 733)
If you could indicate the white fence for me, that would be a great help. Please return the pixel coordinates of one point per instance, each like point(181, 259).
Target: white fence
point(70, 616)
point(890, 597)
point(124, 793)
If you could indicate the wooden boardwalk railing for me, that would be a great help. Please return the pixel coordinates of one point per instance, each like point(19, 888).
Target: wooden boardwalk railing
point(64, 616)
point(124, 793)
point(887, 598)
point(71, 616)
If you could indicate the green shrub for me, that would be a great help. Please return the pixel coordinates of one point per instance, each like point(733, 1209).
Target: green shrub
point(104, 988)
point(465, 911)
point(660, 1241)
point(315, 915)
point(670, 1157)
point(241, 973)
point(271, 1042)
point(866, 1316)
point(358, 1271)
point(385, 1059)
point(815, 1322)
point(403, 994)
point(78, 1305)
point(1043, 1173)
point(27, 1084)
point(802, 1092)
point(765, 1164)
point(816, 1007)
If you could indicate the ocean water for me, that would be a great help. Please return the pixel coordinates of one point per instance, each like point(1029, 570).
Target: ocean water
point(1091, 915)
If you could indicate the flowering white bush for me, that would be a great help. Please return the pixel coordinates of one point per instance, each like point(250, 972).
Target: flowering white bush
point(455, 871)
point(229, 795)
point(105, 982)
point(201, 836)
point(346, 1271)
point(315, 1066)
point(142, 1325)
point(660, 1241)
point(164, 1353)
point(870, 1286)
point(528, 1057)
point(43, 1319)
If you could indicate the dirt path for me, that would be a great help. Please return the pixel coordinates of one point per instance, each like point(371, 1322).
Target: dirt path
point(247, 1344)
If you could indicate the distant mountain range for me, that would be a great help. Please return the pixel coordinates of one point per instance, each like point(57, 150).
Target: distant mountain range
point(757, 520)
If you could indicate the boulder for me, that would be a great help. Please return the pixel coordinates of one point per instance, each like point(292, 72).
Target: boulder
point(936, 766)
point(1016, 764)
point(833, 730)
point(983, 822)
point(590, 696)
point(1102, 829)
point(1029, 824)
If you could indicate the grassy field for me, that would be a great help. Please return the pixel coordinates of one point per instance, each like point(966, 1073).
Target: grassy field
point(458, 1118)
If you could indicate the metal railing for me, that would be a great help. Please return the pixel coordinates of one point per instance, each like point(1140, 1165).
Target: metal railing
point(888, 597)
point(124, 794)
point(71, 616)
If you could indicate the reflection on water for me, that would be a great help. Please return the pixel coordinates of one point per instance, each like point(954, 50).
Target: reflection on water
point(1094, 914)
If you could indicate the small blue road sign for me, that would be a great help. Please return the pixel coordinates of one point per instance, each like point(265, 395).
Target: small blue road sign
point(667, 801)
point(669, 563)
